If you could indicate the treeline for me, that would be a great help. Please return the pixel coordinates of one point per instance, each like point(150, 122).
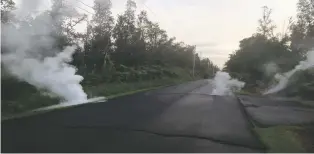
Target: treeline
point(130, 48)
point(265, 53)
point(113, 56)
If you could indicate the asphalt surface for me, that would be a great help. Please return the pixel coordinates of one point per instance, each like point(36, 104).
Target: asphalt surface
point(183, 118)
point(272, 111)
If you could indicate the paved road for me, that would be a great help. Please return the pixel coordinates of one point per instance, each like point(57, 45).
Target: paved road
point(183, 118)
point(271, 111)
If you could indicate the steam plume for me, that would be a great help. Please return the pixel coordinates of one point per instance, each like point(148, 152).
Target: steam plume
point(225, 85)
point(283, 79)
point(31, 55)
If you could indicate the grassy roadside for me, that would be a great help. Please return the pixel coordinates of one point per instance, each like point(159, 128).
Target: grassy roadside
point(285, 139)
point(281, 139)
point(133, 92)
point(30, 113)
point(108, 90)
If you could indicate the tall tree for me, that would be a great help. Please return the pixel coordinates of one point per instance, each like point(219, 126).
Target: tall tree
point(124, 34)
point(266, 26)
point(303, 29)
point(6, 7)
point(248, 62)
point(99, 33)
point(64, 18)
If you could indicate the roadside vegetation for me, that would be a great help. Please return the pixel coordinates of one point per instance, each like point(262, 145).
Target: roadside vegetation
point(114, 55)
point(266, 53)
point(131, 53)
point(287, 139)
point(281, 139)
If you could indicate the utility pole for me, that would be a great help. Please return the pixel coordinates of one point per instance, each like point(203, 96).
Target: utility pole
point(193, 61)
point(208, 66)
point(213, 71)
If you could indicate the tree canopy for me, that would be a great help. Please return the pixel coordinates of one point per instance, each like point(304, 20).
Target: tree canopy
point(131, 48)
point(257, 53)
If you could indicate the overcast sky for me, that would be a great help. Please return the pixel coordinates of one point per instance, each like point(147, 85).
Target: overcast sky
point(214, 26)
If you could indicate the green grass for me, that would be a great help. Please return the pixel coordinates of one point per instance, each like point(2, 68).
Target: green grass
point(281, 139)
point(132, 92)
point(30, 113)
point(26, 103)
point(111, 90)
point(108, 89)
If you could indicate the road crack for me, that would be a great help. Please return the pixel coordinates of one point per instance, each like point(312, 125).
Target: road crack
point(167, 135)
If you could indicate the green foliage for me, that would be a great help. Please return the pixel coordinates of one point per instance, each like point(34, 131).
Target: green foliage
point(108, 89)
point(281, 139)
point(132, 49)
point(28, 100)
point(301, 84)
point(248, 63)
point(266, 25)
point(284, 51)
point(118, 56)
point(19, 96)
point(302, 31)
point(6, 7)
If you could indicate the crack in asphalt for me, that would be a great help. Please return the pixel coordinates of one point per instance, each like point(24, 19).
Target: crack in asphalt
point(169, 135)
point(173, 135)
point(251, 122)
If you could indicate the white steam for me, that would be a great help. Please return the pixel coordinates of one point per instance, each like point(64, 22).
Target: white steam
point(225, 85)
point(270, 68)
point(284, 78)
point(30, 55)
point(51, 73)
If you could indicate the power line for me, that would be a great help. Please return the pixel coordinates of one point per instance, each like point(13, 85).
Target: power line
point(84, 10)
point(149, 9)
point(92, 14)
point(85, 4)
point(93, 8)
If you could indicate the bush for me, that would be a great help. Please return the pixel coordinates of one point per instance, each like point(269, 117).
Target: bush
point(301, 84)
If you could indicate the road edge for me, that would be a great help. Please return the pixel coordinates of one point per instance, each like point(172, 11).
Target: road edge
point(251, 125)
point(37, 111)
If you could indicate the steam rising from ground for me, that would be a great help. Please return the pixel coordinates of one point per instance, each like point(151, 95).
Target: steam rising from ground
point(283, 79)
point(51, 73)
point(31, 56)
point(225, 85)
